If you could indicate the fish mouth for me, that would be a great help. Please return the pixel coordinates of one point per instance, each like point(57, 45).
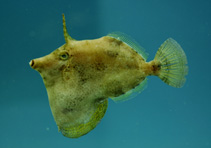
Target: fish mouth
point(31, 63)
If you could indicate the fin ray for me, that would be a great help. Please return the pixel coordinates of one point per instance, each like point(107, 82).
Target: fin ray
point(129, 41)
point(131, 93)
point(173, 63)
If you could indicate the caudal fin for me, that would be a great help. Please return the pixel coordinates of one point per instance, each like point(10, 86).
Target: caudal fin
point(173, 63)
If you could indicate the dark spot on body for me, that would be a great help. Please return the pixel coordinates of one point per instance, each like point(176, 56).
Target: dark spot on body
point(100, 66)
point(99, 100)
point(111, 39)
point(115, 41)
point(72, 105)
point(113, 54)
point(118, 42)
point(114, 88)
point(118, 91)
point(80, 99)
point(156, 68)
point(159, 66)
point(83, 80)
point(67, 110)
point(137, 82)
point(62, 68)
point(81, 71)
point(132, 66)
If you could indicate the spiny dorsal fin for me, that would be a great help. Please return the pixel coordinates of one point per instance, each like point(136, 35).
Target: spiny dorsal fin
point(67, 37)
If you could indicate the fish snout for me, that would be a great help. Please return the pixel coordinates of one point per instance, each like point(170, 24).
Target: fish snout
point(31, 63)
point(43, 63)
point(37, 64)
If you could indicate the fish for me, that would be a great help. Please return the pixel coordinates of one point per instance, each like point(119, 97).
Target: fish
point(81, 75)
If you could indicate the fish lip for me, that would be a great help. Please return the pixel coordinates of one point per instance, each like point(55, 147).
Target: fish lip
point(31, 63)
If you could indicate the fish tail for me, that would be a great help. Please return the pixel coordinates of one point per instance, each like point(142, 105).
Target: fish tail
point(172, 63)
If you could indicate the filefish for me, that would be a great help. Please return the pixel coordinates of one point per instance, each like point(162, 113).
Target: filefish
point(80, 76)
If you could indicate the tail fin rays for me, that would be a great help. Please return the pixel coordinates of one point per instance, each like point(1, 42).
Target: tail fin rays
point(173, 63)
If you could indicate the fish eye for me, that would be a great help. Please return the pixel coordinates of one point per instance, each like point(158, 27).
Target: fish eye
point(64, 56)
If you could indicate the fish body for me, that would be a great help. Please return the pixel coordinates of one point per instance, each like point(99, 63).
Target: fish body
point(80, 76)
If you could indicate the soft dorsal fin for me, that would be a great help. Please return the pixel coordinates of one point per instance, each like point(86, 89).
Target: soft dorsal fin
point(129, 41)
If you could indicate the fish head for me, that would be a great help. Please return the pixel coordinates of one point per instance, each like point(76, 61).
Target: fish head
point(52, 64)
point(57, 63)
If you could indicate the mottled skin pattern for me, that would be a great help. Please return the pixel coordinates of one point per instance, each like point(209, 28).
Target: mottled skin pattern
point(81, 75)
point(94, 70)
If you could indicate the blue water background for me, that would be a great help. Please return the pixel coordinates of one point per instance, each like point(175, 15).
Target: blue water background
point(160, 117)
